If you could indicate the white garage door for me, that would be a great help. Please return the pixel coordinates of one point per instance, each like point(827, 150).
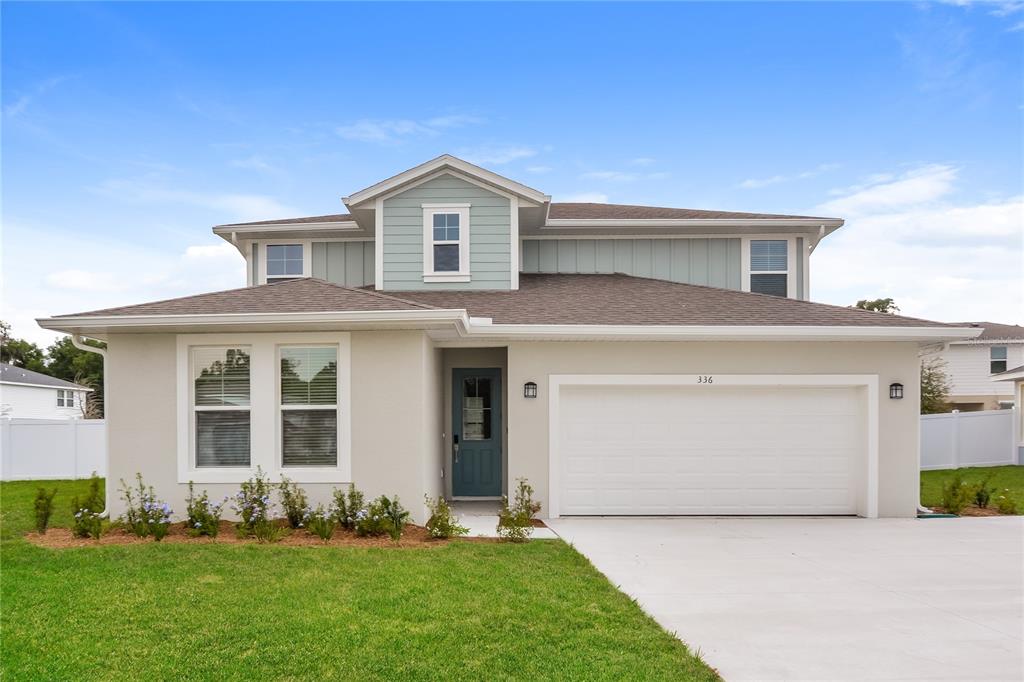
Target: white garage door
point(709, 450)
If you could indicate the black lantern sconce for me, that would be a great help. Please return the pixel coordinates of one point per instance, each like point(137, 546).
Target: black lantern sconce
point(896, 391)
point(530, 390)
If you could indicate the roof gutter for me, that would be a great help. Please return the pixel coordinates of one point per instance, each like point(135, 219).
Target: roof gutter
point(808, 223)
point(80, 344)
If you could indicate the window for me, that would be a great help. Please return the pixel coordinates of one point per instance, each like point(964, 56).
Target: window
point(221, 407)
point(309, 406)
point(769, 267)
point(60, 398)
point(446, 243)
point(284, 261)
point(997, 359)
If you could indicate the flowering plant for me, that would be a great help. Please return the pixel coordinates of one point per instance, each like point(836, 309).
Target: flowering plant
point(320, 523)
point(203, 515)
point(383, 516)
point(515, 520)
point(442, 522)
point(252, 503)
point(294, 502)
point(144, 513)
point(346, 506)
point(88, 512)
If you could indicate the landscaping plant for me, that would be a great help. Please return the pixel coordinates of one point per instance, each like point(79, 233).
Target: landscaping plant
point(294, 502)
point(87, 513)
point(144, 513)
point(1006, 505)
point(44, 509)
point(397, 517)
point(346, 506)
point(515, 521)
point(442, 522)
point(252, 503)
point(983, 493)
point(956, 494)
point(320, 523)
point(203, 515)
point(265, 530)
point(373, 519)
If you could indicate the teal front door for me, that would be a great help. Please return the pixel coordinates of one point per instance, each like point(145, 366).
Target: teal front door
point(476, 432)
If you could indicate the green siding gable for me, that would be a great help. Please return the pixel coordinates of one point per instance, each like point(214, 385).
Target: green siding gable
point(347, 263)
point(712, 262)
point(490, 244)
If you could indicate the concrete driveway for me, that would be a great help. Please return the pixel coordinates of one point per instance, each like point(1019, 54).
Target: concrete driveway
point(825, 599)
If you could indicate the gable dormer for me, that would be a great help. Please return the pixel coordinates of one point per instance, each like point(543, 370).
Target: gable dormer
point(447, 224)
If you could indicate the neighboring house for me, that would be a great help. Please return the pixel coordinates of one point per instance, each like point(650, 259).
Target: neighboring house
point(24, 393)
point(456, 331)
point(971, 363)
point(1014, 378)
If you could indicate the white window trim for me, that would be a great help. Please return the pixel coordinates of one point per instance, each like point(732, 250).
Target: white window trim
point(264, 400)
point(193, 409)
point(307, 258)
point(1005, 359)
point(791, 255)
point(429, 274)
point(281, 407)
point(60, 397)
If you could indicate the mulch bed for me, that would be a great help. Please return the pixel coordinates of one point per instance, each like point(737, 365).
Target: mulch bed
point(972, 511)
point(412, 536)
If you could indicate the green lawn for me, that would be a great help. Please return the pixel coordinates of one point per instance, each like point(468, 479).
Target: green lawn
point(462, 611)
point(1008, 480)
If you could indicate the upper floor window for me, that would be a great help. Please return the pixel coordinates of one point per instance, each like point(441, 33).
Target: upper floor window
point(284, 261)
point(446, 243)
point(997, 359)
point(769, 267)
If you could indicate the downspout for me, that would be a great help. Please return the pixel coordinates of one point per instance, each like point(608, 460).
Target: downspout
point(79, 343)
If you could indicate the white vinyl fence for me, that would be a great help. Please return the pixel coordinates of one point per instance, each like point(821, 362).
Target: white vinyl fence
point(52, 448)
point(967, 439)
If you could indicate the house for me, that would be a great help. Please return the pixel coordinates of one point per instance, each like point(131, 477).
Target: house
point(28, 394)
point(457, 330)
point(1014, 377)
point(970, 365)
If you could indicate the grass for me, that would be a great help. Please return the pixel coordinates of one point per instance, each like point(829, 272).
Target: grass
point(1007, 480)
point(462, 611)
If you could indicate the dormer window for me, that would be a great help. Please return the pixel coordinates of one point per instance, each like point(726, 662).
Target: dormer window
point(284, 261)
point(446, 243)
point(769, 267)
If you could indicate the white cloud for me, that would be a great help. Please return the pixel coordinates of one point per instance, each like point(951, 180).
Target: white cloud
point(83, 280)
point(231, 207)
point(539, 169)
point(255, 163)
point(939, 259)
point(586, 198)
point(914, 187)
point(393, 131)
point(758, 183)
point(496, 155)
point(21, 104)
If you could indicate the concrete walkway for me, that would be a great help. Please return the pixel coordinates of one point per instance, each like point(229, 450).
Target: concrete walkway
point(481, 518)
point(825, 599)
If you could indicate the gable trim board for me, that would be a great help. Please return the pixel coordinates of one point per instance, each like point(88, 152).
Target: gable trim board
point(867, 497)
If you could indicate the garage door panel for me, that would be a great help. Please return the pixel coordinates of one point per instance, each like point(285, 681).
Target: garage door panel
point(686, 450)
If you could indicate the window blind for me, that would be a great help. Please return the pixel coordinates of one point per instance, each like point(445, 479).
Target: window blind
point(768, 255)
point(309, 398)
point(222, 438)
point(221, 376)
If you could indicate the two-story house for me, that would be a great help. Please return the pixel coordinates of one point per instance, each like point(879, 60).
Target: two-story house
point(971, 364)
point(456, 330)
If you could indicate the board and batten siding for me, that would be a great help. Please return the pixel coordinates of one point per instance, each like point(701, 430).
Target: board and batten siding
point(711, 262)
point(349, 264)
point(490, 243)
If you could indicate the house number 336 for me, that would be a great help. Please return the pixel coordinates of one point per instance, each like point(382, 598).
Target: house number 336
point(704, 379)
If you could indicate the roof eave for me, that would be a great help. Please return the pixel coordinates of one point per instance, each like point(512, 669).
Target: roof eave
point(804, 223)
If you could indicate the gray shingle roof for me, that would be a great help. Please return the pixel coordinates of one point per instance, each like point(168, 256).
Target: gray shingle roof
point(993, 331)
point(20, 375)
point(541, 299)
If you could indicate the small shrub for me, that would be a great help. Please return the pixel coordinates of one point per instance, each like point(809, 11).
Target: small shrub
point(203, 515)
point(346, 506)
point(983, 493)
point(252, 503)
point(144, 513)
point(515, 521)
point(442, 522)
point(956, 494)
point(373, 519)
point(397, 516)
point(294, 502)
point(265, 530)
point(44, 509)
point(1006, 505)
point(320, 523)
point(87, 513)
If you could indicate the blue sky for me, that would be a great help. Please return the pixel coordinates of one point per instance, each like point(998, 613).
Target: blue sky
point(130, 129)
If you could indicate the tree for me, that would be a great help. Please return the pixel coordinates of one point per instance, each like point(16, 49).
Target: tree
point(879, 305)
point(934, 386)
point(81, 367)
point(19, 352)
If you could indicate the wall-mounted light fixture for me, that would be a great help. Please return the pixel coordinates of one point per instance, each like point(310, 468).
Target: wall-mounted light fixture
point(530, 390)
point(896, 391)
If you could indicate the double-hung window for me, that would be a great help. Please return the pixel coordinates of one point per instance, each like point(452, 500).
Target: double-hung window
point(997, 359)
point(65, 398)
point(309, 406)
point(446, 242)
point(769, 267)
point(221, 406)
point(284, 261)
